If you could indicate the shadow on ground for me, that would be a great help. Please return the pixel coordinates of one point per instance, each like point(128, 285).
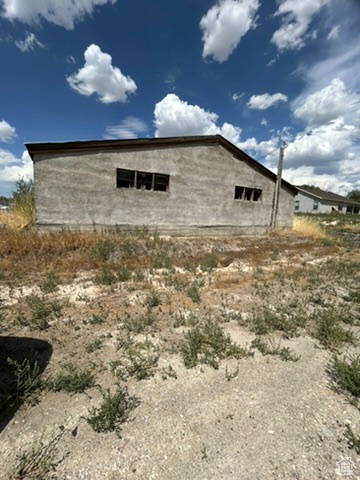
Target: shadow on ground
point(22, 361)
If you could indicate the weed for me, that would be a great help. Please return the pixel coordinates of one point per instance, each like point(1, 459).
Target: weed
point(193, 292)
point(210, 262)
point(168, 372)
point(328, 331)
point(27, 381)
point(204, 454)
point(208, 344)
point(267, 320)
point(114, 410)
point(353, 440)
point(152, 300)
point(102, 250)
point(70, 379)
point(353, 296)
point(162, 260)
point(38, 463)
point(49, 284)
point(123, 275)
point(105, 276)
point(347, 374)
point(96, 320)
point(140, 323)
point(139, 360)
point(309, 227)
point(271, 348)
point(93, 346)
point(40, 312)
point(185, 318)
point(24, 201)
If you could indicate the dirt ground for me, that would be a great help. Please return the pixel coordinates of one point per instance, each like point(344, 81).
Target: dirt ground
point(254, 416)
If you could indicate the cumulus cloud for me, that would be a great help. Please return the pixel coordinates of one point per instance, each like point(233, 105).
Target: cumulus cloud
point(15, 168)
point(99, 76)
point(174, 117)
point(130, 127)
point(64, 13)
point(324, 146)
point(305, 175)
point(327, 104)
point(265, 101)
point(237, 96)
point(225, 24)
point(297, 16)
point(7, 132)
point(29, 43)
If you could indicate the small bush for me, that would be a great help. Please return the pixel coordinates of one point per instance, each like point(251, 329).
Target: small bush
point(270, 348)
point(40, 311)
point(27, 381)
point(193, 292)
point(328, 331)
point(152, 300)
point(140, 323)
point(93, 346)
point(114, 410)
point(139, 361)
point(70, 379)
point(310, 227)
point(123, 275)
point(347, 374)
point(49, 284)
point(105, 276)
point(353, 440)
point(102, 250)
point(24, 201)
point(208, 344)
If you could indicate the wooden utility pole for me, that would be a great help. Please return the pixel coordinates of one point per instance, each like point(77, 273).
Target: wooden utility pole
point(275, 206)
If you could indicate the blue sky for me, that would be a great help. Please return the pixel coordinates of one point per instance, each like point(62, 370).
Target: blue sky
point(253, 71)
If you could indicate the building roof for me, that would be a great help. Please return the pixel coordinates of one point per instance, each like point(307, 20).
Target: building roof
point(326, 196)
point(146, 143)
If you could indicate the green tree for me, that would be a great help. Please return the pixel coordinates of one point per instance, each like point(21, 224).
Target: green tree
point(354, 195)
point(23, 199)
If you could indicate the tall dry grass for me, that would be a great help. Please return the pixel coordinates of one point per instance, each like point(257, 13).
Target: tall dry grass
point(310, 227)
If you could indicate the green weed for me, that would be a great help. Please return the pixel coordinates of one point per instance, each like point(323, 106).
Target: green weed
point(208, 344)
point(347, 374)
point(50, 283)
point(70, 379)
point(193, 292)
point(270, 348)
point(114, 410)
point(353, 440)
point(328, 331)
point(105, 276)
point(102, 250)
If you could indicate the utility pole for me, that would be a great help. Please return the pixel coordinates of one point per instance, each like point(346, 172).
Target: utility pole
point(275, 206)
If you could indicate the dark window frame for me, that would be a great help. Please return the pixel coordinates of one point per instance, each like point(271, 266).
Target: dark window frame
point(248, 194)
point(144, 181)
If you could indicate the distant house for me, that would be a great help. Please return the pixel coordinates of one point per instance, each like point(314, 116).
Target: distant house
point(185, 185)
point(315, 200)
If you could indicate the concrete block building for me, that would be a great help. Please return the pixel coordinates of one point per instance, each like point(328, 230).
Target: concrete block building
point(182, 185)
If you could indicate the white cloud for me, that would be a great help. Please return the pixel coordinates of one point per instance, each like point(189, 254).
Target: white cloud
point(15, 168)
point(237, 96)
point(262, 102)
point(264, 122)
point(29, 43)
point(225, 24)
point(99, 76)
point(327, 104)
point(305, 175)
point(7, 132)
point(297, 17)
point(130, 127)
point(175, 117)
point(334, 33)
point(64, 13)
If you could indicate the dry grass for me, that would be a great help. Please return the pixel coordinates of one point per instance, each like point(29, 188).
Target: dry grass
point(309, 227)
point(13, 219)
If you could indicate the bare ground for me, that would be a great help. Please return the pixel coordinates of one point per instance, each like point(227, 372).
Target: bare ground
point(255, 417)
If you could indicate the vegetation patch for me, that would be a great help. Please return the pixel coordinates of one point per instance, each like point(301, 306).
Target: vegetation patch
point(208, 344)
point(272, 348)
point(114, 410)
point(70, 379)
point(346, 373)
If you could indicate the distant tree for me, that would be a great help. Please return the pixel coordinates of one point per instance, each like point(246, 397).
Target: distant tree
point(354, 195)
point(23, 199)
point(4, 200)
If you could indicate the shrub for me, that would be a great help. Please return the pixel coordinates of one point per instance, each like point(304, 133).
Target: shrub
point(328, 331)
point(309, 227)
point(270, 348)
point(114, 410)
point(49, 284)
point(102, 249)
point(24, 200)
point(193, 292)
point(70, 379)
point(347, 374)
point(105, 276)
point(208, 344)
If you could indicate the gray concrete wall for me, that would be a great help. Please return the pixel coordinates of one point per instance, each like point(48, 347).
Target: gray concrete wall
point(79, 191)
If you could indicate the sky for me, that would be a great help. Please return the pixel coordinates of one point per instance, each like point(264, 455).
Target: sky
point(258, 72)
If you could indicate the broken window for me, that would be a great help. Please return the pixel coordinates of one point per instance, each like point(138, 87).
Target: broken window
point(248, 194)
point(142, 180)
